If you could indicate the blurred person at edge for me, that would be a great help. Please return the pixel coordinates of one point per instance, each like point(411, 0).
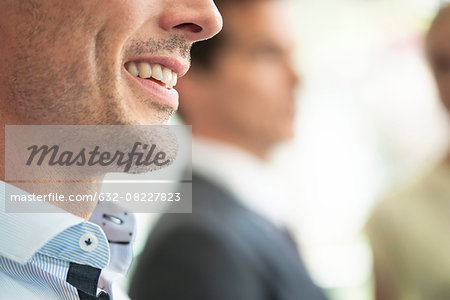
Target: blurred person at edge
point(68, 63)
point(409, 230)
point(239, 98)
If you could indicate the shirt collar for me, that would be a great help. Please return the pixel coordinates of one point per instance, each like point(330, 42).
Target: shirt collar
point(25, 234)
point(248, 178)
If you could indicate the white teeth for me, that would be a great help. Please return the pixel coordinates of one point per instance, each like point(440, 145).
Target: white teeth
point(174, 79)
point(132, 69)
point(157, 72)
point(145, 70)
point(167, 76)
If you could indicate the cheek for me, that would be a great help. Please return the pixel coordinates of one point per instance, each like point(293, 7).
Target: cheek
point(274, 103)
point(271, 94)
point(257, 95)
point(256, 83)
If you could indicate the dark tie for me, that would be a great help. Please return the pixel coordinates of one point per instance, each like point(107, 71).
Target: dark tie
point(85, 280)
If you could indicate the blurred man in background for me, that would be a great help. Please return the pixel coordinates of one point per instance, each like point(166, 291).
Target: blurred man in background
point(239, 98)
point(409, 231)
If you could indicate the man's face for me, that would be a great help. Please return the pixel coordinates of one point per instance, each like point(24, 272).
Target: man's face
point(66, 62)
point(253, 81)
point(439, 53)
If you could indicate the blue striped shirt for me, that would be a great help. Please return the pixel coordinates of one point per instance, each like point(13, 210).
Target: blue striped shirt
point(49, 255)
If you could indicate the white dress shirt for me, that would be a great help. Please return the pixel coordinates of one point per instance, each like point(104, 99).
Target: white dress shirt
point(59, 255)
point(245, 176)
point(39, 250)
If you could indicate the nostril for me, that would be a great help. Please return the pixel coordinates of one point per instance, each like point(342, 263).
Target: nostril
point(190, 26)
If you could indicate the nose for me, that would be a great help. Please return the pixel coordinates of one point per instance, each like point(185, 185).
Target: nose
point(196, 20)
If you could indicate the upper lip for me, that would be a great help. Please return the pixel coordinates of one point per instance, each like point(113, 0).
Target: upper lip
point(176, 64)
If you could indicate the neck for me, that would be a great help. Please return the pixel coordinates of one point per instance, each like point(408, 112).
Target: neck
point(2, 152)
point(54, 191)
point(56, 185)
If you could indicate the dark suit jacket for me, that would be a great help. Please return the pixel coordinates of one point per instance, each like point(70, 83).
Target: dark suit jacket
point(222, 251)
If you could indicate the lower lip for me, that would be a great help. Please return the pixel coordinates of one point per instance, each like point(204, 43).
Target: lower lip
point(158, 92)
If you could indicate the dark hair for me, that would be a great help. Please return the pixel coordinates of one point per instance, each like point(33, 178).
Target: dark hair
point(203, 53)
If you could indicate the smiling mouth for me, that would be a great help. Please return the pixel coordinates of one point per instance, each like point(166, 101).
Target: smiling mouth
point(154, 72)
